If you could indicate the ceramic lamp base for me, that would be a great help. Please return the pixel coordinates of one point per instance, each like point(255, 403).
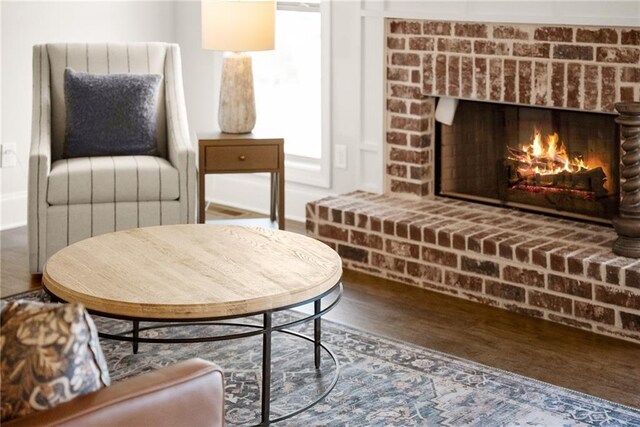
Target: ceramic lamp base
point(237, 110)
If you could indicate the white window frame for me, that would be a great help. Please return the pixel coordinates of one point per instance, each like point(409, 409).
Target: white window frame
point(307, 170)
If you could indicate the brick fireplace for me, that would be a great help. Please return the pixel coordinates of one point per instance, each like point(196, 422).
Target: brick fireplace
point(570, 67)
point(557, 269)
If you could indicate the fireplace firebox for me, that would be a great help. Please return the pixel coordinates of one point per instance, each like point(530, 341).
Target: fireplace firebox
point(556, 161)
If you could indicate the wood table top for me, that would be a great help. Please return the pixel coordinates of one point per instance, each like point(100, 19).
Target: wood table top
point(192, 271)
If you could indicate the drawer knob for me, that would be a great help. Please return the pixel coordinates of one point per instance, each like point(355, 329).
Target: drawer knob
point(242, 157)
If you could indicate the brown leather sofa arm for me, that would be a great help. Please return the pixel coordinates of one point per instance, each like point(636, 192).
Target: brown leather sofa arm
point(189, 393)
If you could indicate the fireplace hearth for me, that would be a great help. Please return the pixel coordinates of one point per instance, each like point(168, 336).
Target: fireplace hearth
point(556, 161)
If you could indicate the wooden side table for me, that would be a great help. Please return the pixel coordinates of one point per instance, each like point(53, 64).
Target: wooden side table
point(243, 153)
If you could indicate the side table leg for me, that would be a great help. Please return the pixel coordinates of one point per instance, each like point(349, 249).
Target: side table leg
point(317, 333)
point(274, 199)
point(136, 334)
point(266, 370)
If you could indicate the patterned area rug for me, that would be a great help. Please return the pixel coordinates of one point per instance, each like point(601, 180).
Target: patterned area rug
point(382, 382)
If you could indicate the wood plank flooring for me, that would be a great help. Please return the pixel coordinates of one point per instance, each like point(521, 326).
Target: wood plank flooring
point(14, 263)
point(579, 360)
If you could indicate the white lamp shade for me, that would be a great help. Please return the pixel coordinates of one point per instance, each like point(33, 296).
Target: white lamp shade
point(238, 25)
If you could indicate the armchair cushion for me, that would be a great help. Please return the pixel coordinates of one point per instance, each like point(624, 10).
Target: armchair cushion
point(90, 180)
point(110, 114)
point(50, 355)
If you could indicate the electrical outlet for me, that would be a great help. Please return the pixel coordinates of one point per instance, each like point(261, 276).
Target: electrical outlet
point(340, 156)
point(9, 159)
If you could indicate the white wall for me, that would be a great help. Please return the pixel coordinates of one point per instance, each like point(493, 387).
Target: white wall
point(25, 23)
point(201, 68)
point(357, 81)
point(357, 71)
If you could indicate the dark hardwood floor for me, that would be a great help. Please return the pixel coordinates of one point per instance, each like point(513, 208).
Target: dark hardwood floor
point(579, 360)
point(14, 263)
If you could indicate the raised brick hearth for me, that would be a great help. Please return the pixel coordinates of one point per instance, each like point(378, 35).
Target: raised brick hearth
point(557, 269)
point(543, 267)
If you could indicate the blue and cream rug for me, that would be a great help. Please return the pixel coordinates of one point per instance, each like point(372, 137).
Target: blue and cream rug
point(382, 382)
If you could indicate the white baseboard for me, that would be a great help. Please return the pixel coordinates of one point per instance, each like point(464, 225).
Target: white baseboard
point(13, 210)
point(251, 192)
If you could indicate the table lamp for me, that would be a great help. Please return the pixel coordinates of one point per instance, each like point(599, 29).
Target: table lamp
point(236, 27)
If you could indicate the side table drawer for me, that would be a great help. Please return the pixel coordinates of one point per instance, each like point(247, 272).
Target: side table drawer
point(241, 158)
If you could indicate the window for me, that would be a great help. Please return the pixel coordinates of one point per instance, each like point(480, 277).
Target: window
point(288, 81)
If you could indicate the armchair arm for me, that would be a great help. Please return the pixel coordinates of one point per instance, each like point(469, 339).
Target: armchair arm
point(187, 393)
point(180, 150)
point(39, 158)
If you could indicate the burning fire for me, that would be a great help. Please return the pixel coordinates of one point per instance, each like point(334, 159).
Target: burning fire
point(546, 157)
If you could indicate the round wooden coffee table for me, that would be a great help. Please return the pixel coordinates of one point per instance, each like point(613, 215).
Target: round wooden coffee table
point(201, 272)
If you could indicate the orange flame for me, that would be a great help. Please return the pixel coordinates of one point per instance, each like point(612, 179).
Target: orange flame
point(546, 157)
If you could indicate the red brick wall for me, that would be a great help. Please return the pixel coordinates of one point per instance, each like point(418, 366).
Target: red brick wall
point(584, 68)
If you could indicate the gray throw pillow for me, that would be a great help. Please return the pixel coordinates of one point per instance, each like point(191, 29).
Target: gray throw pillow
point(110, 114)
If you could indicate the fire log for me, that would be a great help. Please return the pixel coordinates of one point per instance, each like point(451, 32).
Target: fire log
point(585, 180)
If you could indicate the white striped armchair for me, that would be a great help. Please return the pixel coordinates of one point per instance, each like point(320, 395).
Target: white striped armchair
point(73, 199)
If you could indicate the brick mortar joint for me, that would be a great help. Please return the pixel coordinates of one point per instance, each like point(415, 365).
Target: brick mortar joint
point(405, 67)
point(530, 59)
point(421, 99)
point(490, 38)
point(405, 84)
point(410, 148)
point(408, 115)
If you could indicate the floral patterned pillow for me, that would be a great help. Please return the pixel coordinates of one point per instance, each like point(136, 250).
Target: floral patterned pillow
point(49, 354)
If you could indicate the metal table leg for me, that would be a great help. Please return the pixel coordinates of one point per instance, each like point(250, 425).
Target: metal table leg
point(317, 333)
point(136, 334)
point(266, 369)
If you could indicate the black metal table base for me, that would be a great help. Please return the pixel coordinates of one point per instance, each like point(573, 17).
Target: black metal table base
point(266, 330)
